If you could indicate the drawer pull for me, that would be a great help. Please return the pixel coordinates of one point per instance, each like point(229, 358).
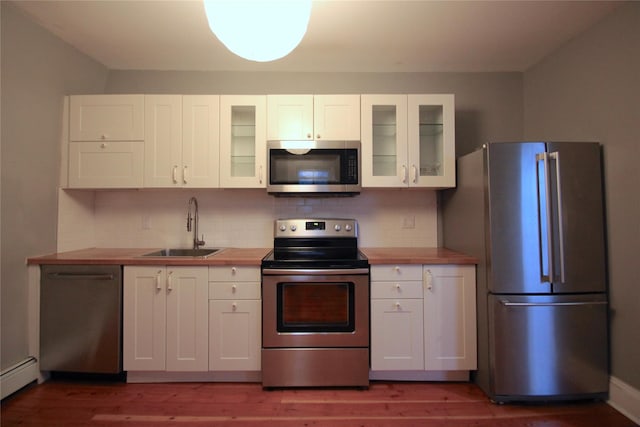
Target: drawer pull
point(234, 288)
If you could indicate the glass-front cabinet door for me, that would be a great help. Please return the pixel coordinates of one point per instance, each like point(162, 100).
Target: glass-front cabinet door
point(243, 141)
point(431, 141)
point(384, 141)
point(408, 141)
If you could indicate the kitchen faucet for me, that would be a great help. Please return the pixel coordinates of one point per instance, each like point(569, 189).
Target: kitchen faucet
point(196, 243)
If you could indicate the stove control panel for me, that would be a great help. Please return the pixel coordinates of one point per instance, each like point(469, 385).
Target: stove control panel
point(318, 227)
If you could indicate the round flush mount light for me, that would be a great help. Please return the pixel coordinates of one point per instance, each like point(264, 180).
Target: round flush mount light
point(259, 30)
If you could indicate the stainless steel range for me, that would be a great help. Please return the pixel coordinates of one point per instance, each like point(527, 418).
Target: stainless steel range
point(315, 306)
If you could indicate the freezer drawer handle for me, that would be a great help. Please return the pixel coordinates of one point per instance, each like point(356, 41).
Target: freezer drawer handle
point(80, 276)
point(549, 304)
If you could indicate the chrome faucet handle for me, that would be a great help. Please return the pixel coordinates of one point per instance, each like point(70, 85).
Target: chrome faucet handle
point(197, 243)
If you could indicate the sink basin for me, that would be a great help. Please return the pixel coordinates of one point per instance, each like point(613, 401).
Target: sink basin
point(183, 253)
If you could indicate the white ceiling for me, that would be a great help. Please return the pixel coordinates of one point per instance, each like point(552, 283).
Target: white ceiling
point(343, 35)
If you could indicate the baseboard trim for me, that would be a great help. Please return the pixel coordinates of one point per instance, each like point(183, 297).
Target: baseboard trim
point(624, 399)
point(17, 376)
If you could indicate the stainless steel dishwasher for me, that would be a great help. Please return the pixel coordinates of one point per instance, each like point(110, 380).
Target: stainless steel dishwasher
point(81, 318)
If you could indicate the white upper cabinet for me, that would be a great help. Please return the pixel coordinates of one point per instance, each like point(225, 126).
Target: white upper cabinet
point(201, 141)
point(163, 144)
point(243, 143)
point(105, 146)
point(384, 141)
point(309, 117)
point(106, 118)
point(432, 144)
point(182, 141)
point(408, 141)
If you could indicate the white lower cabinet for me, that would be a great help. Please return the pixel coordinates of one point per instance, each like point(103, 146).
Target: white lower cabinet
point(235, 318)
point(165, 318)
point(397, 338)
point(450, 317)
point(423, 318)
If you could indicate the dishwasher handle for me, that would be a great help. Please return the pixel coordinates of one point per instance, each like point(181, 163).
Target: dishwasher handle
point(81, 276)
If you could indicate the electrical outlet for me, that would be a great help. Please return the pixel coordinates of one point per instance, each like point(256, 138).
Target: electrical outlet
point(409, 222)
point(146, 222)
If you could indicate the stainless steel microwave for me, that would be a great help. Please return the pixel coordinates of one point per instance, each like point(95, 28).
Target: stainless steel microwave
point(313, 167)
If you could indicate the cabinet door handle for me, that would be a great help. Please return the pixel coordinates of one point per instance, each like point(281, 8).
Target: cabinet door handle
point(158, 284)
point(169, 281)
point(174, 174)
point(404, 174)
point(260, 174)
point(428, 280)
point(184, 174)
point(414, 170)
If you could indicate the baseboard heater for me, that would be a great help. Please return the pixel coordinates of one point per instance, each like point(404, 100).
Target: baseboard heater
point(17, 376)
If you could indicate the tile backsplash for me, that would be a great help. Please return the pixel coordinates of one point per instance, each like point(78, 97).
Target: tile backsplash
point(236, 218)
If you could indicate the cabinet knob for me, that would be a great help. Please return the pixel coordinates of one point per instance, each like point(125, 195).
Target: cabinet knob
point(104, 136)
point(234, 306)
point(233, 289)
point(398, 307)
point(103, 145)
point(308, 136)
point(398, 287)
point(233, 270)
point(318, 136)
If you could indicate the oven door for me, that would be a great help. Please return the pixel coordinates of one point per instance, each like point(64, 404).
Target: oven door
point(315, 308)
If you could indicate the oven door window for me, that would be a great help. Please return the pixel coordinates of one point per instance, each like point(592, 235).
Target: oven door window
point(316, 307)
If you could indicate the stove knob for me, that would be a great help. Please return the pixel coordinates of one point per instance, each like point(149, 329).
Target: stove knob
point(294, 227)
point(347, 227)
point(283, 227)
point(337, 227)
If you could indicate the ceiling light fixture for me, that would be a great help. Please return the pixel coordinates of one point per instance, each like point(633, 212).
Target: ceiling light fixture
point(259, 30)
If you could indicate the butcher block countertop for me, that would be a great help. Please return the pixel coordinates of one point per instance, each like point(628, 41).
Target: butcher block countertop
point(133, 256)
point(244, 256)
point(416, 256)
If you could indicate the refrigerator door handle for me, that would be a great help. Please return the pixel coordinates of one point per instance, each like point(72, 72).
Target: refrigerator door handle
point(507, 303)
point(556, 156)
point(547, 223)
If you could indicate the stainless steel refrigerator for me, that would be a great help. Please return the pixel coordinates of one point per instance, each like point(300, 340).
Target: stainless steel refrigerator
point(533, 214)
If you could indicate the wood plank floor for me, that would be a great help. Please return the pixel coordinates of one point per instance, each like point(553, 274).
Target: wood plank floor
point(73, 403)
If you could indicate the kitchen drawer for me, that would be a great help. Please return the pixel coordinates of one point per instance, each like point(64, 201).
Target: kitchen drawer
point(396, 272)
point(234, 290)
point(230, 273)
point(397, 289)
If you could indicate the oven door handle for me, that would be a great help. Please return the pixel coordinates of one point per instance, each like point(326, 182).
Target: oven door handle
point(314, 271)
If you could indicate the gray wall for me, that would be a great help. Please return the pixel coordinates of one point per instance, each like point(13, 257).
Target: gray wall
point(488, 105)
point(590, 90)
point(38, 69)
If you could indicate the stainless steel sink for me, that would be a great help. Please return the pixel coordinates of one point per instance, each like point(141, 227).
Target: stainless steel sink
point(183, 253)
